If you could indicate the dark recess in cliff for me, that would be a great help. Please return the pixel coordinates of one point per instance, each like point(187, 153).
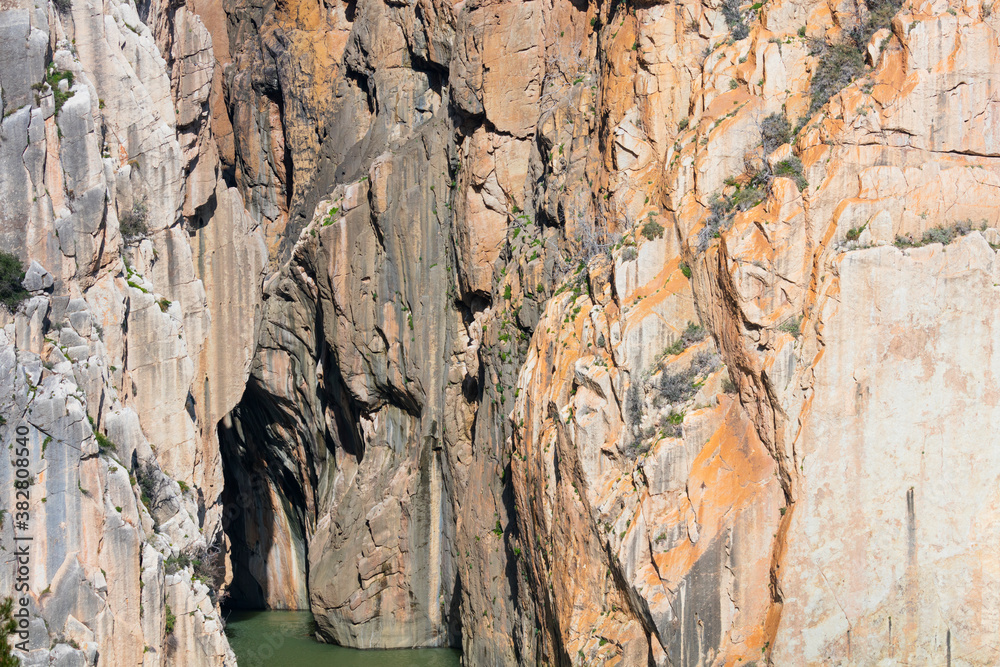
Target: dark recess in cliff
point(252, 467)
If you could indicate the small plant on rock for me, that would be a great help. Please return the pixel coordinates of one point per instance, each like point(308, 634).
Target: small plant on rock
point(679, 387)
point(53, 77)
point(133, 222)
point(104, 444)
point(792, 326)
point(735, 18)
point(940, 234)
point(854, 233)
point(146, 477)
point(652, 230)
point(739, 196)
point(774, 132)
point(792, 168)
point(693, 334)
point(7, 628)
point(170, 621)
point(844, 61)
point(839, 65)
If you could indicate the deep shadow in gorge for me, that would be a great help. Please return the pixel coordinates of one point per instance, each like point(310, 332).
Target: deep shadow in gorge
point(312, 470)
point(270, 519)
point(264, 504)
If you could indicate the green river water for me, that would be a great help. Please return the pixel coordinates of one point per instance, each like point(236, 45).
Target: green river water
point(285, 639)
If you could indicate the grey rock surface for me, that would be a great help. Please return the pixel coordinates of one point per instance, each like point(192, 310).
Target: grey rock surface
point(36, 278)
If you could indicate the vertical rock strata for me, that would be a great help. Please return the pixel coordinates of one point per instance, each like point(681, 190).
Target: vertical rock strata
point(564, 332)
point(138, 335)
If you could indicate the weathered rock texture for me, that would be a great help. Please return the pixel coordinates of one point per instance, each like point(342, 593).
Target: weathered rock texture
point(482, 397)
point(523, 327)
point(139, 333)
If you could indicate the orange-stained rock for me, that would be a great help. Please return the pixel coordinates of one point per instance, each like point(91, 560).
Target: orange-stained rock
point(493, 324)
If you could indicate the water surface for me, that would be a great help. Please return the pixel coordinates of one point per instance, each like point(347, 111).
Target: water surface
point(285, 639)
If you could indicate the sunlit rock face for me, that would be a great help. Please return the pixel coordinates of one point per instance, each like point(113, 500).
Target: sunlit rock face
point(566, 333)
point(146, 272)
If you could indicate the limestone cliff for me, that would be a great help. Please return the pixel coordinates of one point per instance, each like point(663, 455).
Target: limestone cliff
point(138, 334)
point(564, 332)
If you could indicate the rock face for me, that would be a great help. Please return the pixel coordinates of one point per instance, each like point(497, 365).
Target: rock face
point(567, 333)
point(118, 368)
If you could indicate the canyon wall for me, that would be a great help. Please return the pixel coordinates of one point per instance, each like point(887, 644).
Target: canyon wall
point(137, 338)
point(562, 332)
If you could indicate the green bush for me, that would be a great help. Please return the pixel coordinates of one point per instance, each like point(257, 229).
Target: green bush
point(792, 168)
point(174, 564)
point(745, 195)
point(652, 230)
point(839, 65)
point(741, 197)
point(693, 334)
point(880, 13)
point(331, 216)
point(104, 444)
point(940, 234)
point(52, 77)
point(149, 485)
point(170, 621)
point(680, 387)
point(676, 348)
point(748, 196)
point(12, 292)
point(7, 628)
point(674, 388)
point(792, 326)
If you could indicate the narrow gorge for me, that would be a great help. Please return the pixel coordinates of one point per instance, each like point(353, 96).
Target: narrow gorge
point(560, 332)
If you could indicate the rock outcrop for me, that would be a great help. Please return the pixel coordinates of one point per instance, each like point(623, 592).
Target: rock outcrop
point(566, 333)
point(121, 364)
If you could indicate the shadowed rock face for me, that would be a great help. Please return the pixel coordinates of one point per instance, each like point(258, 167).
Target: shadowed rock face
point(492, 324)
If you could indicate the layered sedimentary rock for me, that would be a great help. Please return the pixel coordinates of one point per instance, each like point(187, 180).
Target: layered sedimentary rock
point(567, 333)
